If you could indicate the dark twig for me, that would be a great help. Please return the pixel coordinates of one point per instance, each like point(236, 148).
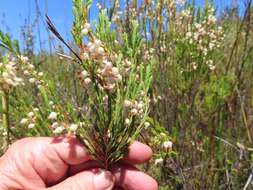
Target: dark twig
point(53, 29)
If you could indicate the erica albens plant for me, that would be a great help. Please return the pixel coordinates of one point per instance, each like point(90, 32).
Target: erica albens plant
point(14, 70)
point(115, 81)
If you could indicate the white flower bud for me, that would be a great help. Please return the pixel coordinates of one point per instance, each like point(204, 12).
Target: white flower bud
point(134, 111)
point(30, 114)
point(127, 103)
point(31, 66)
point(85, 31)
point(23, 121)
point(140, 105)
point(40, 74)
point(26, 72)
point(127, 121)
point(5, 74)
point(32, 80)
point(85, 55)
point(158, 161)
point(146, 125)
point(167, 144)
point(31, 125)
point(87, 81)
point(115, 71)
point(36, 109)
point(73, 127)
point(118, 78)
point(101, 50)
point(97, 42)
point(55, 125)
point(58, 130)
point(87, 25)
point(108, 65)
point(84, 73)
point(52, 116)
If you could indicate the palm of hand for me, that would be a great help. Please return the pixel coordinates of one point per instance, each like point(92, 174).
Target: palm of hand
point(63, 163)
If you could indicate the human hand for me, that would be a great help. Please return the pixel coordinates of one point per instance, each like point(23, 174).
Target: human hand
point(62, 163)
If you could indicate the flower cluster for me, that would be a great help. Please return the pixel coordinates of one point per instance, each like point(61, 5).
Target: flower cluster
point(205, 35)
point(86, 29)
point(109, 74)
point(95, 49)
point(30, 120)
point(58, 122)
point(133, 109)
point(34, 77)
point(9, 75)
point(61, 127)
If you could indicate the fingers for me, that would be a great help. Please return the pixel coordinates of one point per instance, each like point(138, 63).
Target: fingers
point(128, 177)
point(48, 158)
point(138, 153)
point(84, 166)
point(89, 180)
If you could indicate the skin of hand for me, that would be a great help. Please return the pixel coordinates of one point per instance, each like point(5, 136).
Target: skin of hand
point(63, 164)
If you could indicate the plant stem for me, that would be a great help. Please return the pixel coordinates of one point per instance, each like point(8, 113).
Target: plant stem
point(6, 124)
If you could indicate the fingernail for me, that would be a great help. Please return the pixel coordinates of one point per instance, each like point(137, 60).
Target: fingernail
point(104, 180)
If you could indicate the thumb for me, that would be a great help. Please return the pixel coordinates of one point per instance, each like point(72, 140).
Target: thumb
point(95, 179)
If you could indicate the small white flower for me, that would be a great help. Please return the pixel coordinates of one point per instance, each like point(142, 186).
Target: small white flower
point(163, 134)
point(5, 74)
point(140, 105)
point(52, 116)
point(36, 109)
point(146, 125)
point(84, 73)
point(31, 66)
point(211, 67)
point(26, 72)
point(81, 124)
point(101, 50)
point(115, 71)
point(99, 6)
point(23, 121)
point(188, 34)
point(86, 55)
point(134, 111)
point(127, 121)
point(87, 25)
point(167, 144)
point(31, 125)
point(108, 65)
point(24, 59)
point(127, 103)
point(85, 31)
point(40, 74)
point(97, 42)
point(118, 78)
point(51, 103)
point(30, 114)
point(55, 125)
point(73, 127)
point(158, 161)
point(87, 81)
point(32, 80)
point(58, 130)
